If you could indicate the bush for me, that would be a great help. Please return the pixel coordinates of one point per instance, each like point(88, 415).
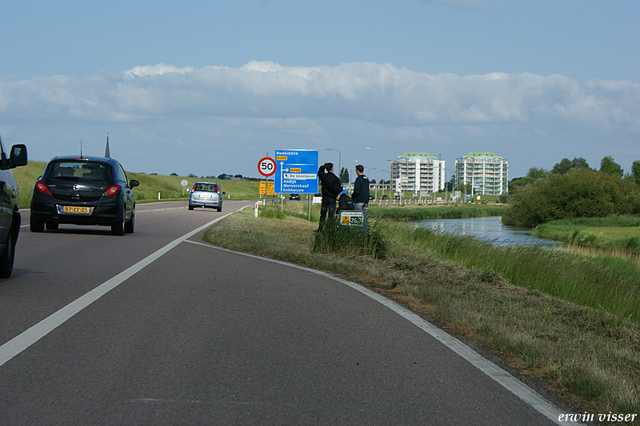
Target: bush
point(579, 193)
point(350, 240)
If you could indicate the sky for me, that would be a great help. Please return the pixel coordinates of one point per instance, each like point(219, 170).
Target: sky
point(210, 87)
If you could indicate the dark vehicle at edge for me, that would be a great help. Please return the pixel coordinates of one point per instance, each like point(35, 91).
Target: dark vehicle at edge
point(9, 215)
point(83, 191)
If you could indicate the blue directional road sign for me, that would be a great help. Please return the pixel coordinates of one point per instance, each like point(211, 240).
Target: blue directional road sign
point(297, 171)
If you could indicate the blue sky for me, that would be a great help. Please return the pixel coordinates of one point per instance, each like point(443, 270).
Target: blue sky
point(210, 87)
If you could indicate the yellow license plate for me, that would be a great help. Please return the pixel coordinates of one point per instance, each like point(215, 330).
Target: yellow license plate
point(206, 197)
point(76, 210)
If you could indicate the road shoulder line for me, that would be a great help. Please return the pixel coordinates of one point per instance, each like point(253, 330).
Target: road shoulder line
point(504, 378)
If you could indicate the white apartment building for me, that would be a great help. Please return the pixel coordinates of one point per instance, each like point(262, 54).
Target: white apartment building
point(417, 172)
point(486, 172)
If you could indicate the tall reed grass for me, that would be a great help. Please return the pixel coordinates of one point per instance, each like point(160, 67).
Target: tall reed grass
point(441, 212)
point(605, 283)
point(617, 252)
point(350, 240)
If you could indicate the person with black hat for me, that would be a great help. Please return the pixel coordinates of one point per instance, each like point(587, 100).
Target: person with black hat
point(331, 190)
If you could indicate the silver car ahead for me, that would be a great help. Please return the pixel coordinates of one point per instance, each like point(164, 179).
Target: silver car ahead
point(205, 194)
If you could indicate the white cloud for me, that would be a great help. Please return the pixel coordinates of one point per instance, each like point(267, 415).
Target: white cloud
point(159, 69)
point(265, 101)
point(367, 91)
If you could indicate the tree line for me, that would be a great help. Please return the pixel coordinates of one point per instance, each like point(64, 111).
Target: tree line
point(573, 189)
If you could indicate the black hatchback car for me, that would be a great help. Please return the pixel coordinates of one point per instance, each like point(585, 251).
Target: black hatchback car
point(83, 191)
point(9, 215)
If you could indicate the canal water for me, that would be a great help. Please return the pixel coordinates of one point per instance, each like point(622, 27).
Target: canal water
point(486, 228)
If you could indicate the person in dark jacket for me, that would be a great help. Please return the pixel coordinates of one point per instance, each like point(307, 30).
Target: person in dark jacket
point(360, 194)
point(331, 190)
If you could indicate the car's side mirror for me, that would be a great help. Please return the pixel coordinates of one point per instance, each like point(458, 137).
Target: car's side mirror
point(224, 193)
point(133, 183)
point(18, 156)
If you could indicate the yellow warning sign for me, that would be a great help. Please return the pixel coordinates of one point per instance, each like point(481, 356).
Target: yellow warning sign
point(266, 188)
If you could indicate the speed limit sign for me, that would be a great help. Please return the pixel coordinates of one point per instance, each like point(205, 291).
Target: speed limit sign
point(267, 166)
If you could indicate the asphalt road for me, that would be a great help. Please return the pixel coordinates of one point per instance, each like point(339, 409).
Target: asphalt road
point(156, 328)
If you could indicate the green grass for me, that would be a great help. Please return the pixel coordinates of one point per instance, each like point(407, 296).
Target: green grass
point(26, 177)
point(605, 283)
point(434, 212)
point(609, 233)
point(398, 213)
point(169, 187)
point(601, 222)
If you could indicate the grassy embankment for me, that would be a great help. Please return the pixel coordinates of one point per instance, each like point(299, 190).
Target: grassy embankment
point(617, 236)
point(570, 321)
point(169, 187)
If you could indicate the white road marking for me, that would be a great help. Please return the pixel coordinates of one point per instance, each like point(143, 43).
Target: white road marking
point(158, 210)
point(506, 380)
point(194, 402)
point(21, 342)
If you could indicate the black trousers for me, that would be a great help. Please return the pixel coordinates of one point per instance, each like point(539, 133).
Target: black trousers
point(328, 205)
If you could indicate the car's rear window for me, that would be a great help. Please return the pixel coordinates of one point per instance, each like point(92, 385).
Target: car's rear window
point(79, 170)
point(207, 187)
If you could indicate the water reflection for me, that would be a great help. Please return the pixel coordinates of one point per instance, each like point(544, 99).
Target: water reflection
point(487, 228)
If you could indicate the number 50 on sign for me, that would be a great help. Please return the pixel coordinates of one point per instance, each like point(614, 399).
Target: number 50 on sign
point(267, 166)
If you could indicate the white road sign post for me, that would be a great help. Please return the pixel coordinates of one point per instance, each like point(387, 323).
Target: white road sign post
point(267, 167)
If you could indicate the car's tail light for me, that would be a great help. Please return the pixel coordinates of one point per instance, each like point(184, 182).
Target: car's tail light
point(194, 187)
point(112, 190)
point(42, 187)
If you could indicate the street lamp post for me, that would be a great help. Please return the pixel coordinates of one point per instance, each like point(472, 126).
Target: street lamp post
point(446, 194)
point(391, 176)
point(339, 158)
point(382, 172)
point(376, 169)
point(376, 192)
